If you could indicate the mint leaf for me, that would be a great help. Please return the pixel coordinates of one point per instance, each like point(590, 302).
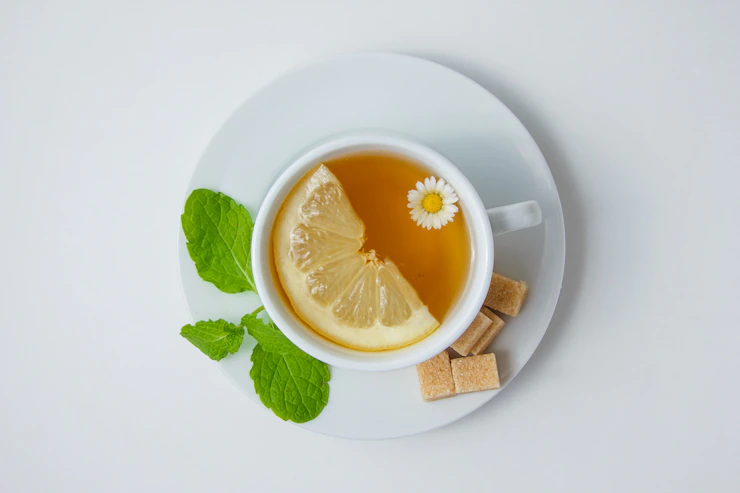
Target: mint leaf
point(294, 387)
point(219, 234)
point(215, 338)
point(290, 382)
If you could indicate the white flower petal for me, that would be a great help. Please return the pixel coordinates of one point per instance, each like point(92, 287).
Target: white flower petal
point(427, 220)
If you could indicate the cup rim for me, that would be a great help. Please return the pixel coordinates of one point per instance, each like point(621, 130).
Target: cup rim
point(459, 316)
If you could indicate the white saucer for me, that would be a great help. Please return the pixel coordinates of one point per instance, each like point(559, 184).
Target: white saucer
point(451, 114)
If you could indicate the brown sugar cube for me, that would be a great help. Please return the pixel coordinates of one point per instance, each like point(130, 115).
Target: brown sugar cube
point(475, 373)
point(490, 334)
point(435, 378)
point(464, 344)
point(506, 295)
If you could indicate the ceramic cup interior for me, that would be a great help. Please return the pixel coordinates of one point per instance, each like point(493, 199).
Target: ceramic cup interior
point(458, 317)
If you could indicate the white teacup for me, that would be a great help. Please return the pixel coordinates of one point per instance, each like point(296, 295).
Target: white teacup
point(482, 226)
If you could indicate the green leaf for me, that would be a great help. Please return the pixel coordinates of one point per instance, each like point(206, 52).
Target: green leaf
point(215, 338)
point(290, 382)
point(294, 387)
point(219, 235)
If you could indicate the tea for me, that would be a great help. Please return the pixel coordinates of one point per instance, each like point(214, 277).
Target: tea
point(434, 261)
point(353, 263)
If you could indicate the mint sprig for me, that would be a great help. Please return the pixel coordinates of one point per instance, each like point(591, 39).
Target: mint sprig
point(288, 381)
point(219, 234)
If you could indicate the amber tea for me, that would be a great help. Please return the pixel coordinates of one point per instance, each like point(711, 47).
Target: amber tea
point(371, 250)
point(434, 261)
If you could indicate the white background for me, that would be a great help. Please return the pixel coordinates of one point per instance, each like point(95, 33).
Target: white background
point(104, 112)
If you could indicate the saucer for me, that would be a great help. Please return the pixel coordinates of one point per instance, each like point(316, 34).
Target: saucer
point(446, 111)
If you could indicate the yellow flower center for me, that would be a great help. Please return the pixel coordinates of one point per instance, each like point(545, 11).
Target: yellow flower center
point(432, 203)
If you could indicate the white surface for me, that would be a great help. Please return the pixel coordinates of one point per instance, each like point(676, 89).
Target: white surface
point(104, 111)
point(245, 158)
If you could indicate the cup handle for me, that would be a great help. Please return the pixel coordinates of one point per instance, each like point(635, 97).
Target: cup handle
point(514, 217)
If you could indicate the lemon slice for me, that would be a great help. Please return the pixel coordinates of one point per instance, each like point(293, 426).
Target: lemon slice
point(348, 296)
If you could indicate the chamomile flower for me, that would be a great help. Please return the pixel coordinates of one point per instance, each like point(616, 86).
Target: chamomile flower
point(432, 204)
